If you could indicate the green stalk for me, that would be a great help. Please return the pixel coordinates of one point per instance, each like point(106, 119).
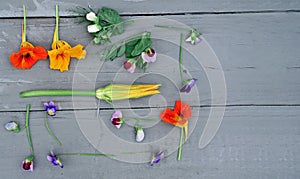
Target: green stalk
point(34, 93)
point(139, 120)
point(180, 59)
point(180, 145)
point(28, 130)
point(57, 19)
point(50, 131)
point(123, 22)
point(85, 154)
point(173, 27)
point(24, 24)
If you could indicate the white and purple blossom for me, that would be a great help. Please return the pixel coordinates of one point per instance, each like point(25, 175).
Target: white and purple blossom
point(51, 108)
point(156, 158)
point(149, 55)
point(188, 85)
point(54, 160)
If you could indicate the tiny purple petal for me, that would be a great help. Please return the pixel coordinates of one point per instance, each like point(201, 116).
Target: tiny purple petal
point(157, 158)
point(189, 85)
point(116, 114)
point(198, 40)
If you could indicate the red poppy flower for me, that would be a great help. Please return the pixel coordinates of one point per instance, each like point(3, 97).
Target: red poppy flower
point(178, 116)
point(27, 56)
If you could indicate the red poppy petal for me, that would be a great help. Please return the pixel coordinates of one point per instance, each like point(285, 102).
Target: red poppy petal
point(183, 109)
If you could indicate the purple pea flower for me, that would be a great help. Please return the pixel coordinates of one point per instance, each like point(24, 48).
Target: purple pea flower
point(54, 160)
point(116, 119)
point(157, 157)
point(27, 164)
point(130, 65)
point(188, 85)
point(149, 55)
point(50, 108)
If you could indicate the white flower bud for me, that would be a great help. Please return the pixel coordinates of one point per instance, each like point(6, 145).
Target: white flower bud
point(93, 28)
point(140, 135)
point(91, 16)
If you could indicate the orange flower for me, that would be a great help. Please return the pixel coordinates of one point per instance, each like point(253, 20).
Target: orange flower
point(61, 54)
point(27, 56)
point(178, 116)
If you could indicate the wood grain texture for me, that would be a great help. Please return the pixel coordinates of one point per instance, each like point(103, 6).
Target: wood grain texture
point(44, 8)
point(253, 142)
point(258, 53)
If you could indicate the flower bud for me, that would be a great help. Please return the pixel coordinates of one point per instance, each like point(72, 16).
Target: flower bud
point(91, 16)
point(12, 126)
point(140, 135)
point(94, 28)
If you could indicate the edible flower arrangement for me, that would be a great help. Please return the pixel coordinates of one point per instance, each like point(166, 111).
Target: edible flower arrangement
point(138, 52)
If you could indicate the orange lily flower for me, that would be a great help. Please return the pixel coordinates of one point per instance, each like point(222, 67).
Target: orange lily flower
point(27, 56)
point(62, 52)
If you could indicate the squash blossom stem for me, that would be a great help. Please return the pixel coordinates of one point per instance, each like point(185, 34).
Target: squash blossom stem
point(84, 154)
point(34, 93)
point(28, 130)
point(24, 25)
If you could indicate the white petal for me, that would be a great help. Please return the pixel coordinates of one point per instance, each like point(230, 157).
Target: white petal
point(93, 28)
point(189, 39)
point(91, 16)
point(140, 135)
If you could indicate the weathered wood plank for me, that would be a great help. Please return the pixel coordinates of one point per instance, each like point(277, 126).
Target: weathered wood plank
point(253, 142)
point(43, 8)
point(259, 55)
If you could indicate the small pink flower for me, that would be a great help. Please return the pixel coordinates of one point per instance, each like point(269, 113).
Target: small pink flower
point(130, 66)
point(27, 164)
point(116, 119)
point(149, 55)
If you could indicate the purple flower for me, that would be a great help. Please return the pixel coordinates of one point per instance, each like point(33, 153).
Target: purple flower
point(116, 119)
point(129, 65)
point(149, 55)
point(50, 108)
point(54, 160)
point(188, 85)
point(157, 157)
point(194, 37)
point(27, 164)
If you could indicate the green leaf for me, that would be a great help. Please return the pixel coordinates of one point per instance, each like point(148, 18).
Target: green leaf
point(109, 15)
point(141, 46)
point(121, 50)
point(110, 54)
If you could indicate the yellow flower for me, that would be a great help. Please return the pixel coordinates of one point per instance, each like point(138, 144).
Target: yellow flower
point(61, 54)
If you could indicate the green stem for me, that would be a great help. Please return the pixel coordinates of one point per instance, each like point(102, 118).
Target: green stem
point(84, 154)
point(180, 58)
point(24, 24)
point(180, 145)
point(57, 19)
point(140, 120)
point(50, 131)
point(28, 130)
point(123, 22)
point(173, 27)
point(34, 93)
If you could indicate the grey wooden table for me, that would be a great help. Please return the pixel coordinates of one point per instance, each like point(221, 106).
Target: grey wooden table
point(257, 43)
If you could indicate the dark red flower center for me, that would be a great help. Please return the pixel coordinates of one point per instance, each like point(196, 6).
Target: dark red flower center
point(150, 52)
point(116, 121)
point(127, 65)
point(26, 165)
point(27, 55)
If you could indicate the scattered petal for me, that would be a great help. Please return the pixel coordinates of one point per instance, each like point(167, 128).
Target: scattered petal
point(188, 85)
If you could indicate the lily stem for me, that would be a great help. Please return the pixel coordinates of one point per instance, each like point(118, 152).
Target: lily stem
point(28, 130)
point(173, 27)
point(57, 19)
point(50, 131)
point(180, 145)
point(84, 154)
point(180, 59)
point(24, 25)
